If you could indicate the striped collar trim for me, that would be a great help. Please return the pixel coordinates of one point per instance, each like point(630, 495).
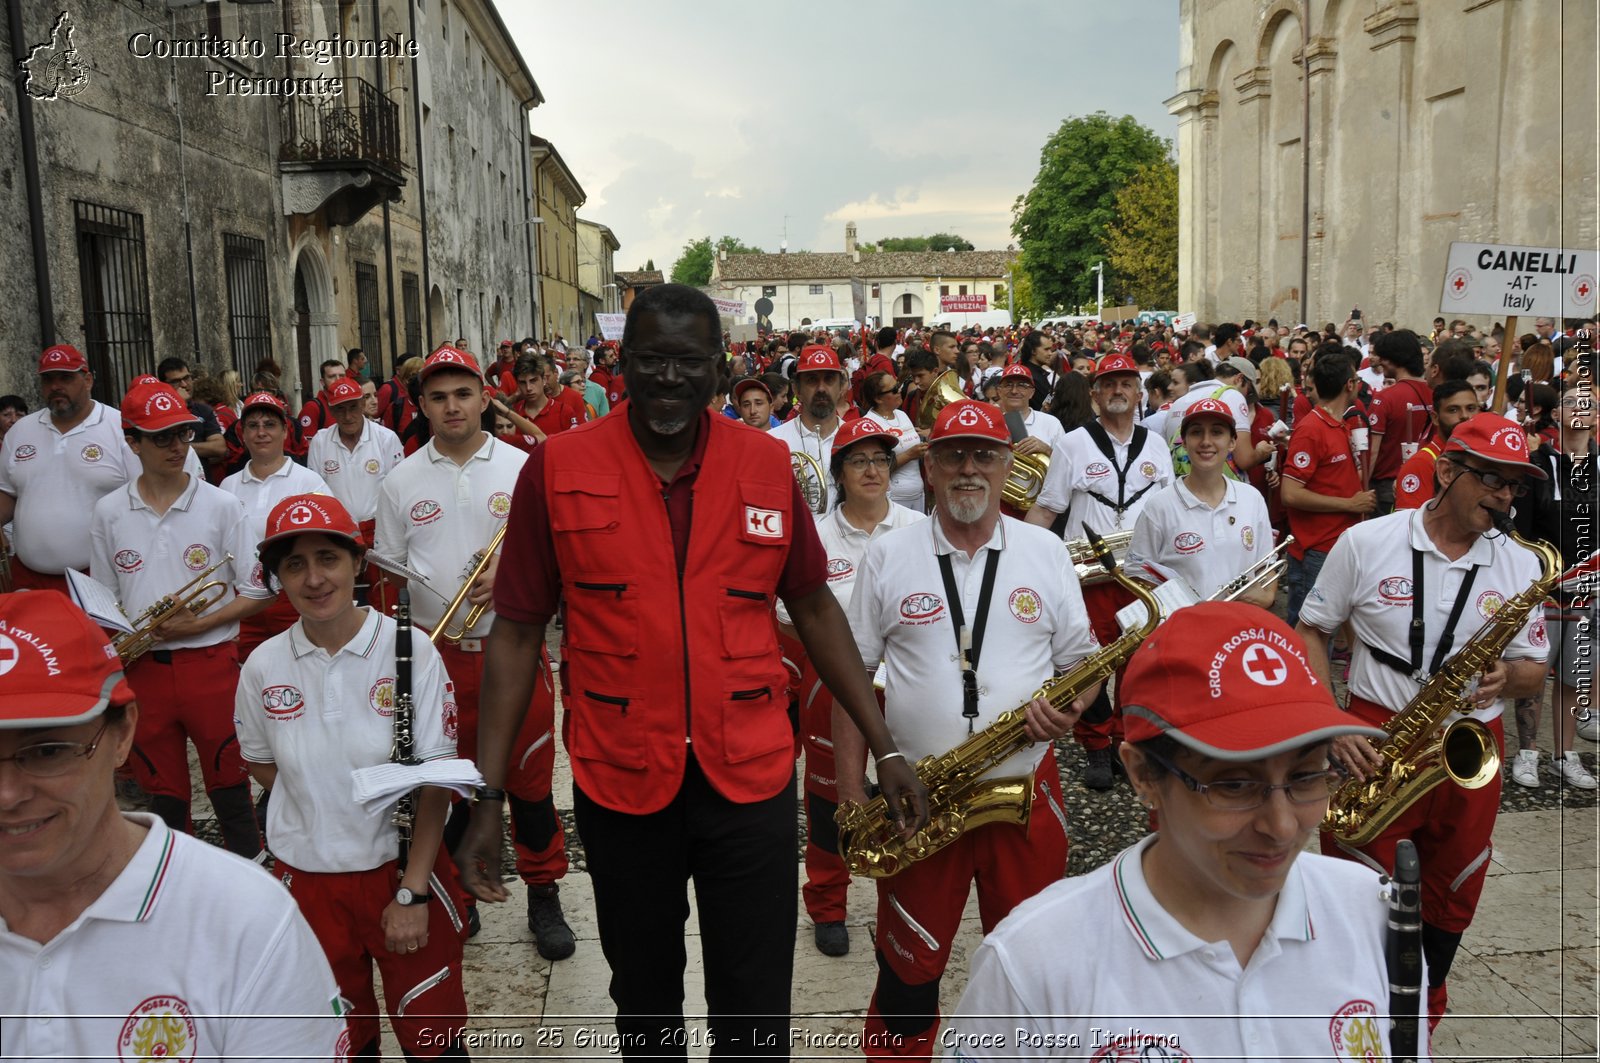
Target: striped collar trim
point(133, 895)
point(365, 641)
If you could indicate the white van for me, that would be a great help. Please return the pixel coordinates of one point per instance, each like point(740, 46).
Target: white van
point(986, 319)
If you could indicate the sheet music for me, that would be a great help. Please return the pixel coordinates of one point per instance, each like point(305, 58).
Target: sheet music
point(98, 600)
point(380, 785)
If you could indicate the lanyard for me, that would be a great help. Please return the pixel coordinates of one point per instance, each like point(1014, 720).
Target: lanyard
point(1418, 631)
point(1102, 440)
point(969, 645)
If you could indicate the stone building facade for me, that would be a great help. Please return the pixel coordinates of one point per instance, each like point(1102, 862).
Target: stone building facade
point(188, 205)
point(1469, 120)
point(598, 290)
point(558, 196)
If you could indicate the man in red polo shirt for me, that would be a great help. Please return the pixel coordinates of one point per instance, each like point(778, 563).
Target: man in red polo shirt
point(1322, 489)
point(1401, 413)
point(1453, 402)
point(607, 373)
point(542, 399)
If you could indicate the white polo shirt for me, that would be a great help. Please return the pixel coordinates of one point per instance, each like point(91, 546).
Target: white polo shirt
point(797, 437)
point(190, 953)
point(259, 496)
point(144, 557)
point(1207, 547)
point(845, 545)
point(1168, 421)
point(319, 716)
point(354, 475)
point(434, 515)
point(1037, 626)
point(1043, 426)
point(57, 478)
point(1367, 580)
point(1315, 988)
point(1078, 467)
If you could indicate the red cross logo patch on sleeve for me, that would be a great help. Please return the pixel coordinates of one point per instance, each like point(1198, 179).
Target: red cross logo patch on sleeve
point(763, 523)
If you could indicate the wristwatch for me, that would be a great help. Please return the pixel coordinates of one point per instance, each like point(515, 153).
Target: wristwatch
point(408, 899)
point(487, 793)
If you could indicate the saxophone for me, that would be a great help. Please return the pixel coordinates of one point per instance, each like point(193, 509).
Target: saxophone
point(958, 798)
point(1421, 751)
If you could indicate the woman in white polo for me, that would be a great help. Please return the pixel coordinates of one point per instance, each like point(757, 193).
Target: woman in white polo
point(313, 704)
point(1218, 937)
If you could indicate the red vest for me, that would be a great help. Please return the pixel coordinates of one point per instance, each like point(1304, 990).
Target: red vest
point(653, 657)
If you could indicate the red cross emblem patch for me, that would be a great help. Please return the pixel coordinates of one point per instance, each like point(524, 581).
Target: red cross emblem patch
point(1265, 665)
point(763, 523)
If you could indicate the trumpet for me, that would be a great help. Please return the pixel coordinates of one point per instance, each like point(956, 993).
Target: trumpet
point(1268, 570)
point(194, 597)
point(447, 628)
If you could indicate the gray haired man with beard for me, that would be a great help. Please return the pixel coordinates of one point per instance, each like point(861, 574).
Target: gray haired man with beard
point(670, 530)
point(819, 380)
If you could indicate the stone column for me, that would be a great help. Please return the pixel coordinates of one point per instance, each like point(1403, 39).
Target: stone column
point(1393, 205)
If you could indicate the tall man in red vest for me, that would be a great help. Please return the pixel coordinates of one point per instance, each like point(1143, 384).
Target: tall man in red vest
point(676, 721)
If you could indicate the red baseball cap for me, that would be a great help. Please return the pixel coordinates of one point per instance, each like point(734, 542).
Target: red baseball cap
point(1017, 371)
point(264, 400)
point(342, 391)
point(818, 359)
point(142, 378)
point(155, 407)
point(1214, 408)
point(1231, 681)
point(448, 357)
point(62, 358)
point(1494, 438)
point(861, 429)
point(59, 668)
point(746, 383)
point(966, 419)
point(1114, 363)
point(304, 514)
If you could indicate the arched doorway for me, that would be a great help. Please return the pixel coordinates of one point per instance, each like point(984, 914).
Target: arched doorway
point(316, 322)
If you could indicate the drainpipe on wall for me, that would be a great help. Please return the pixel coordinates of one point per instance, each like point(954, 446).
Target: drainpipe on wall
point(527, 224)
point(1305, 161)
point(183, 184)
point(388, 241)
point(30, 170)
point(426, 295)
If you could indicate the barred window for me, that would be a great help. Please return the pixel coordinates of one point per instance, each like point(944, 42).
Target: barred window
point(249, 320)
point(116, 297)
point(411, 299)
point(367, 312)
point(816, 289)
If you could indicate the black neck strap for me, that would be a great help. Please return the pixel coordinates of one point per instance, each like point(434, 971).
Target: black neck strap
point(1102, 440)
point(969, 651)
point(1418, 633)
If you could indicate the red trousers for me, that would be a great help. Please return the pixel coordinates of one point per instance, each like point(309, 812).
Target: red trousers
point(1103, 600)
point(254, 630)
point(541, 860)
point(827, 881)
point(24, 578)
point(189, 697)
point(919, 911)
point(427, 1006)
point(1451, 828)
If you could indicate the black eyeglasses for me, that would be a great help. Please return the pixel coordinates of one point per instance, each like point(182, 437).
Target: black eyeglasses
point(43, 760)
point(859, 462)
point(1494, 481)
point(952, 458)
point(655, 364)
point(171, 436)
point(1241, 795)
point(182, 381)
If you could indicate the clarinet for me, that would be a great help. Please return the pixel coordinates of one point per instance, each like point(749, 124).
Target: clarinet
point(401, 753)
point(1402, 951)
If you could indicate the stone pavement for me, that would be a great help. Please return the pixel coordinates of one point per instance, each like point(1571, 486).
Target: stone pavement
point(1524, 985)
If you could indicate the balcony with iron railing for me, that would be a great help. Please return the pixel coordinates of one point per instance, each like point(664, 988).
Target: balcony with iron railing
point(340, 154)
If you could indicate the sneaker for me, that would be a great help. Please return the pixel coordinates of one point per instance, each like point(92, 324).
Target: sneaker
point(833, 939)
point(1097, 772)
point(474, 924)
point(1589, 727)
point(1525, 769)
point(550, 930)
point(1573, 771)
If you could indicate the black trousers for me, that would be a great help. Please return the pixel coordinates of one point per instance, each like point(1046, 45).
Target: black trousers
point(742, 859)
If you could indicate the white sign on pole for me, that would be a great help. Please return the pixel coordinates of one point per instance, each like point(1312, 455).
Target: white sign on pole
point(1183, 322)
point(733, 308)
point(1508, 280)
point(611, 325)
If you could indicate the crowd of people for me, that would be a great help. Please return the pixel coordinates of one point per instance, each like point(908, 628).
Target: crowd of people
point(881, 579)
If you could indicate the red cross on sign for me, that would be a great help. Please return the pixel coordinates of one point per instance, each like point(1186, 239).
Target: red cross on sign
point(1265, 666)
point(1460, 284)
point(1583, 290)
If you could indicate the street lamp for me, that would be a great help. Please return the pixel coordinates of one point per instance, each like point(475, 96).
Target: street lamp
point(1099, 270)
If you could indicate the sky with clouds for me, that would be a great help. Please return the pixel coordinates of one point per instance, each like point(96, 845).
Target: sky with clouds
point(705, 117)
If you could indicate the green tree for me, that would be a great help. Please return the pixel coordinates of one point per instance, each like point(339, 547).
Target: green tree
point(1142, 243)
point(1061, 222)
point(936, 242)
point(695, 261)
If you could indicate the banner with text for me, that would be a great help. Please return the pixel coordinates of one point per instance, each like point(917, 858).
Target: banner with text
point(1505, 279)
point(963, 304)
point(611, 325)
point(733, 308)
point(1183, 322)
